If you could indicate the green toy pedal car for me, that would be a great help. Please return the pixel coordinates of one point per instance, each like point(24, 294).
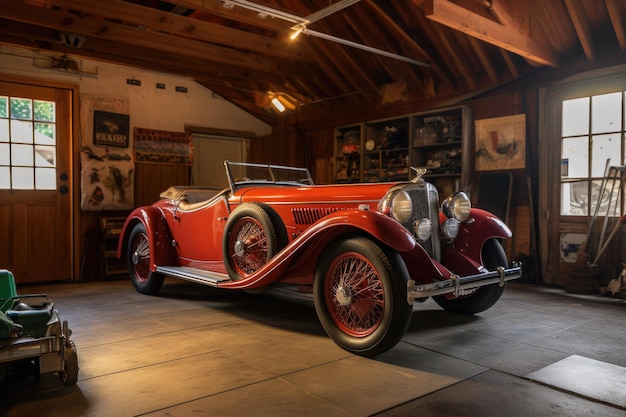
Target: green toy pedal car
point(31, 330)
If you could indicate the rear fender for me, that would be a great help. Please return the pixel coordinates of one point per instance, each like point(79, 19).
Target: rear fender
point(159, 236)
point(465, 251)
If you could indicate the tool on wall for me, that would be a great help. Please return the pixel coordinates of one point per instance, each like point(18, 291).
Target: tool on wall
point(609, 198)
point(608, 240)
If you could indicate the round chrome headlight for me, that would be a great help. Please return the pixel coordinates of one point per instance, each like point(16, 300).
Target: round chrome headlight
point(457, 206)
point(423, 229)
point(450, 228)
point(401, 206)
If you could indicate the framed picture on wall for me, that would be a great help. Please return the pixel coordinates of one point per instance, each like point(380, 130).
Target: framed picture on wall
point(501, 143)
point(110, 129)
point(163, 147)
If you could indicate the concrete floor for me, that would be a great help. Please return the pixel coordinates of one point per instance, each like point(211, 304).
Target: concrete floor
point(198, 351)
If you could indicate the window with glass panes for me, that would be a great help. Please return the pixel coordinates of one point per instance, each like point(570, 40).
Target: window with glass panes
point(27, 144)
point(592, 141)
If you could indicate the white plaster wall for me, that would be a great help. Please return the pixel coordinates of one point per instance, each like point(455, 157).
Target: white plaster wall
point(150, 107)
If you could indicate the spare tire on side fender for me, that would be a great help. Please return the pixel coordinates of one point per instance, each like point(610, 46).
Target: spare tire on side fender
point(254, 233)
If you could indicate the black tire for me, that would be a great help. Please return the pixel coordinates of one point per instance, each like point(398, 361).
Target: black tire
point(254, 233)
point(69, 374)
point(144, 280)
point(482, 298)
point(360, 295)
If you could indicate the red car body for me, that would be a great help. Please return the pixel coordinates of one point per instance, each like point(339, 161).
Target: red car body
point(364, 264)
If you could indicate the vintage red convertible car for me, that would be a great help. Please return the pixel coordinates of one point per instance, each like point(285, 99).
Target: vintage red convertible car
point(365, 251)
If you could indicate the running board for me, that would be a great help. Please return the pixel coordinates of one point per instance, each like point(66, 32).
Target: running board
point(192, 274)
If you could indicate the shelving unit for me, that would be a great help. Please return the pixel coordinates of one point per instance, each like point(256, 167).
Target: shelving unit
point(386, 154)
point(111, 228)
point(384, 150)
point(348, 156)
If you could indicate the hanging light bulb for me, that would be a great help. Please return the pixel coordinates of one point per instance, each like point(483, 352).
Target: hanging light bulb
point(279, 106)
point(297, 30)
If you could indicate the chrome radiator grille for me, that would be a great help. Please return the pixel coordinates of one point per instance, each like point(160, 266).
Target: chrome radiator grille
point(426, 204)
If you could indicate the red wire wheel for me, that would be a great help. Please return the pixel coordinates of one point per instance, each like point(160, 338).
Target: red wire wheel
point(360, 295)
point(248, 243)
point(354, 294)
point(138, 256)
point(254, 233)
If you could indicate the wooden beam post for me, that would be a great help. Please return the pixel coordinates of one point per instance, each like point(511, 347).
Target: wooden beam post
point(463, 20)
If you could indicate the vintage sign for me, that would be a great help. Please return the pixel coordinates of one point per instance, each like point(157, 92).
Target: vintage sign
point(110, 129)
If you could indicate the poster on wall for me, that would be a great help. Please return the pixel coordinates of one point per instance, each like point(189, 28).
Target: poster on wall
point(110, 129)
point(501, 143)
point(163, 147)
point(107, 168)
point(570, 246)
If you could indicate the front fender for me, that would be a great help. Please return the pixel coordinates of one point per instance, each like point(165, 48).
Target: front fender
point(159, 236)
point(378, 225)
point(473, 233)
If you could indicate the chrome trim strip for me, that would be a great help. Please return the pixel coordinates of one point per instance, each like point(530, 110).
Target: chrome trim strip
point(192, 274)
point(326, 202)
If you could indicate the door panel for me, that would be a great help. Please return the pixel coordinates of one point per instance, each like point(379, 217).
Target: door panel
point(35, 233)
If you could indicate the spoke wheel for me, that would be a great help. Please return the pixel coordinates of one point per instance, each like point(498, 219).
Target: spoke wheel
point(254, 234)
point(248, 243)
point(144, 280)
point(354, 294)
point(359, 291)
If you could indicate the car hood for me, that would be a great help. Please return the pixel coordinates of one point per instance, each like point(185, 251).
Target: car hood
point(338, 193)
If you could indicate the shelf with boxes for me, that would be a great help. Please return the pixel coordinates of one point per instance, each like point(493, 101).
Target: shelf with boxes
point(347, 157)
point(385, 150)
point(438, 142)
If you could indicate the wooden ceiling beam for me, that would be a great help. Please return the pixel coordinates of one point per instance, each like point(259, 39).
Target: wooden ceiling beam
point(388, 22)
point(237, 14)
point(456, 62)
point(167, 44)
point(581, 25)
point(161, 21)
point(506, 56)
point(352, 72)
point(364, 26)
point(616, 14)
point(511, 14)
point(414, 18)
point(487, 63)
point(463, 20)
point(33, 37)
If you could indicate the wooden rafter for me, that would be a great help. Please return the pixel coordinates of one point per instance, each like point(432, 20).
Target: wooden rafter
point(457, 64)
point(97, 28)
point(370, 33)
point(458, 18)
point(581, 25)
point(491, 71)
point(160, 21)
point(238, 14)
point(506, 56)
point(616, 14)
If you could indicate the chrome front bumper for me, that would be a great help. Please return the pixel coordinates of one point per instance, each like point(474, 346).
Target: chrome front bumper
point(457, 284)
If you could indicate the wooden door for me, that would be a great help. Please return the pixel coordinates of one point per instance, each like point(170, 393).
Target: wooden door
point(210, 152)
point(585, 131)
point(35, 182)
